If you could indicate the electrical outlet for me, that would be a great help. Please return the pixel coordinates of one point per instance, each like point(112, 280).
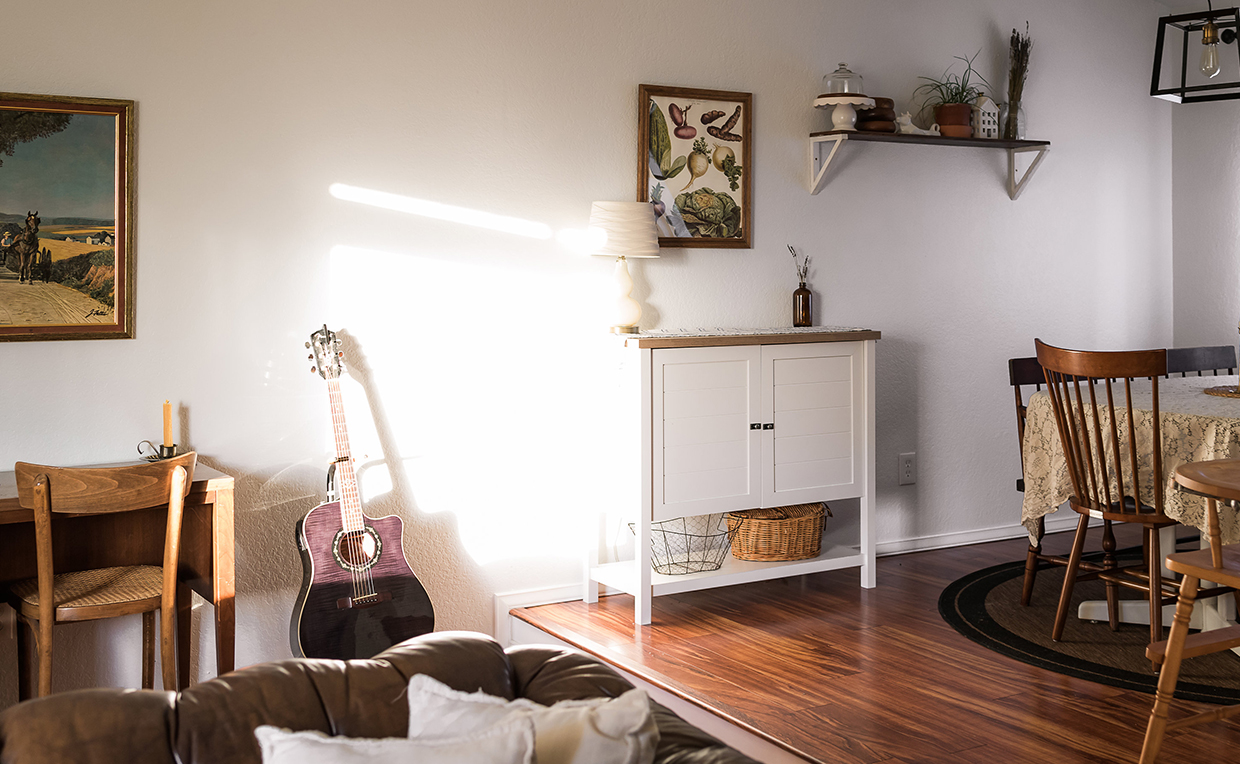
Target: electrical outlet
point(908, 468)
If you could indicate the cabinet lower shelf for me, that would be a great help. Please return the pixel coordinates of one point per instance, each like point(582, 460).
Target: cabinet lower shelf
point(623, 575)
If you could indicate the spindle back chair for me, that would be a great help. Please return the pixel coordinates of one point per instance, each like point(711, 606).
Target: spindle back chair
point(1114, 463)
point(1216, 480)
point(55, 597)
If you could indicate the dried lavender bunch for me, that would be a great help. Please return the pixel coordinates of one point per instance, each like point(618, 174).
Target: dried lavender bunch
point(1018, 69)
point(801, 265)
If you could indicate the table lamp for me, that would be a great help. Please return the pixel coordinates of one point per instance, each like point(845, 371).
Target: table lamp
point(624, 230)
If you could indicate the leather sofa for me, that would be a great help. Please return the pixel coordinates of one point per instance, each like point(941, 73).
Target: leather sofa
point(213, 722)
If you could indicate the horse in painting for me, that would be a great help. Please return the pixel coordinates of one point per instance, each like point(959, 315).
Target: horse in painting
point(26, 245)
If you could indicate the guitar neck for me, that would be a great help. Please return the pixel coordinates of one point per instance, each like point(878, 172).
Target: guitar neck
point(346, 480)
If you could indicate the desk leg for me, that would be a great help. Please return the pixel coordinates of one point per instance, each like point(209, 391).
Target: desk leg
point(185, 609)
point(224, 585)
point(26, 656)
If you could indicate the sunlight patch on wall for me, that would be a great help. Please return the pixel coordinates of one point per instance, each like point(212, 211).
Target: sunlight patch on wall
point(439, 211)
point(494, 384)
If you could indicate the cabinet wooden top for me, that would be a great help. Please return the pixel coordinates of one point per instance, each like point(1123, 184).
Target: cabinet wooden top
point(785, 336)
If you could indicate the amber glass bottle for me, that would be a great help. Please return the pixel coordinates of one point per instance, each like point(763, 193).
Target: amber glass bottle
point(802, 307)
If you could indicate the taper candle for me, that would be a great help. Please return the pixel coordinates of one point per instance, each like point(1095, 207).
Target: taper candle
point(167, 424)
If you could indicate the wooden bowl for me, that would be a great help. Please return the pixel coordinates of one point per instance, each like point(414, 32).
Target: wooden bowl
point(878, 114)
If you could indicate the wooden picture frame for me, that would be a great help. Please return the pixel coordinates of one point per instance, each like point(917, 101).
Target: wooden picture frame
point(66, 217)
point(673, 125)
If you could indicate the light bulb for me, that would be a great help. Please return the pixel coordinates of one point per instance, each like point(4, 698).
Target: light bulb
point(1209, 49)
point(1209, 60)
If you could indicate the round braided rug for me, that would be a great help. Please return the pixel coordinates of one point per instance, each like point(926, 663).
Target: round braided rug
point(985, 607)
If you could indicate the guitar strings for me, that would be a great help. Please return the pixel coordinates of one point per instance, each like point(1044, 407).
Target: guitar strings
point(363, 579)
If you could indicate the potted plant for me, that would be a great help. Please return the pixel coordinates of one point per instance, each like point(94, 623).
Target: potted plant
point(952, 96)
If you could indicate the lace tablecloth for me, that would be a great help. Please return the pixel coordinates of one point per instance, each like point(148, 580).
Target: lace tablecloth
point(1195, 427)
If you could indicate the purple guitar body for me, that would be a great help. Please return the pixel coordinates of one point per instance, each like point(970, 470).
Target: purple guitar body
point(337, 617)
point(358, 594)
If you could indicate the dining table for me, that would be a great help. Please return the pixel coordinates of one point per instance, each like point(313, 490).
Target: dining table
point(1195, 426)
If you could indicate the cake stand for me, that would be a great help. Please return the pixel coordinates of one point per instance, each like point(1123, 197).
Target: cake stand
point(845, 115)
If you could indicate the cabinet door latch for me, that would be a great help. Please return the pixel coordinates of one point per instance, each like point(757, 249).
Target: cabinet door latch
point(755, 426)
point(769, 426)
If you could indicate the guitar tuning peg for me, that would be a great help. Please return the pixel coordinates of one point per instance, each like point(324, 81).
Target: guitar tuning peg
point(307, 345)
point(310, 357)
point(313, 370)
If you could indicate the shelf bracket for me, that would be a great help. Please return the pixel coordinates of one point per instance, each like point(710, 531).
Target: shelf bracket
point(1014, 186)
point(819, 165)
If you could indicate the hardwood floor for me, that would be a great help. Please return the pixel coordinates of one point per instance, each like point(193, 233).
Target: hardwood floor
point(842, 674)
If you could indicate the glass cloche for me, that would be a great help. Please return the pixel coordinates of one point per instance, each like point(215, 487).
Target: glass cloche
point(842, 82)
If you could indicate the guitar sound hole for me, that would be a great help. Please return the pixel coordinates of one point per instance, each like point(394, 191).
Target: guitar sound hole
point(357, 550)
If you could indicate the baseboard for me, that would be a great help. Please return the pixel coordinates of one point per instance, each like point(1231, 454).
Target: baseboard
point(505, 602)
point(1062, 522)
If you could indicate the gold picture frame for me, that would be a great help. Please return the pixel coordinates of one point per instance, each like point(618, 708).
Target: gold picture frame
point(66, 217)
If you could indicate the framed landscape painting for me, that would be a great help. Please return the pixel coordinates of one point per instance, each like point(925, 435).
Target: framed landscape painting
point(66, 217)
point(694, 163)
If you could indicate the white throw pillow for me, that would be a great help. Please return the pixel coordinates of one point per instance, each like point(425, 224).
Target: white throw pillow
point(437, 710)
point(509, 743)
point(595, 731)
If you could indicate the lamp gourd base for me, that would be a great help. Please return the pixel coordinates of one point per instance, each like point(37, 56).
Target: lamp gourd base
point(625, 330)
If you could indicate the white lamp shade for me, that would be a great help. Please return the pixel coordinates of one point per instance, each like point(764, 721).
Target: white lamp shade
point(629, 229)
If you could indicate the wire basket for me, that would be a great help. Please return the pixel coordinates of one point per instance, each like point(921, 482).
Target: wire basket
point(688, 544)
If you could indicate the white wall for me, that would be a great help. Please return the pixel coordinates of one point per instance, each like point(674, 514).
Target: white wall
point(479, 399)
point(1207, 223)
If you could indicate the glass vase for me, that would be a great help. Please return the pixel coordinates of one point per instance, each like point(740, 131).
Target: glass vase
point(802, 306)
point(1012, 127)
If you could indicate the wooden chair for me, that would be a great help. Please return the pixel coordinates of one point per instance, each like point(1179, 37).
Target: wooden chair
point(1216, 359)
point(86, 595)
point(1102, 462)
point(1220, 564)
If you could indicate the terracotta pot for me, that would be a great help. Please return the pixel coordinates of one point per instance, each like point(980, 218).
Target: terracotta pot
point(953, 114)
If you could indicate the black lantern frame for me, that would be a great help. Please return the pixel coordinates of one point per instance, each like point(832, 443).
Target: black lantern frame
point(1227, 20)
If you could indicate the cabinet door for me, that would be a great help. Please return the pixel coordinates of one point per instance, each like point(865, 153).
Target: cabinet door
point(812, 393)
point(705, 456)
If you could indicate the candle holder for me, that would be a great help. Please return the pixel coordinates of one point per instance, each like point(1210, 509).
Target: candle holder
point(156, 453)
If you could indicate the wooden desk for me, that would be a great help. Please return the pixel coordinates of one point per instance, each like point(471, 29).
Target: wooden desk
point(137, 538)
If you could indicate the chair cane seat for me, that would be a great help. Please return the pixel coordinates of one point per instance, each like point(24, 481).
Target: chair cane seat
point(135, 585)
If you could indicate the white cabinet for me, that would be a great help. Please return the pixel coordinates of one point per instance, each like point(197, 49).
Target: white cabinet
point(738, 421)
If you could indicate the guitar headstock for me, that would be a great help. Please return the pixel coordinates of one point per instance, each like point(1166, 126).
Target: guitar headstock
point(327, 355)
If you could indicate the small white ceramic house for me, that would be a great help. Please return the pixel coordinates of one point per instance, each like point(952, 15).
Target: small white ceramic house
point(985, 118)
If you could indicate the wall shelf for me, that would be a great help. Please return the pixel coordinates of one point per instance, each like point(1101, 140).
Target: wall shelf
point(823, 147)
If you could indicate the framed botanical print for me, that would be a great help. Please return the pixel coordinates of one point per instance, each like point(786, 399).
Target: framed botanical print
point(694, 165)
point(66, 217)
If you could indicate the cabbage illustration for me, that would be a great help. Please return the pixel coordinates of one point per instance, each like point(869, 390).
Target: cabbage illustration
point(710, 213)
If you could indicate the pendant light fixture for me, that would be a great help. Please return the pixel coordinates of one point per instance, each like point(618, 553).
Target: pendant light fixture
point(1200, 82)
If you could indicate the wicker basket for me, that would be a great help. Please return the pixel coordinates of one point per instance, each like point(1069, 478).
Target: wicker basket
point(779, 533)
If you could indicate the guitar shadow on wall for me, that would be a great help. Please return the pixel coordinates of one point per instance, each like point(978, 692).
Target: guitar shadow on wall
point(455, 584)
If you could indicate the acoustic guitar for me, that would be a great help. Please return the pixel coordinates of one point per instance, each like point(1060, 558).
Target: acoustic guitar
point(358, 594)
